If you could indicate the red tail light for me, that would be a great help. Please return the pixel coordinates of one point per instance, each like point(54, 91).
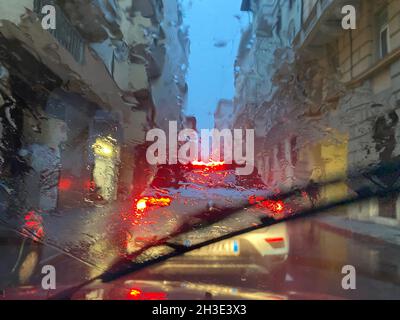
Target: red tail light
point(209, 166)
point(211, 163)
point(276, 243)
point(143, 203)
point(274, 240)
point(34, 224)
point(64, 184)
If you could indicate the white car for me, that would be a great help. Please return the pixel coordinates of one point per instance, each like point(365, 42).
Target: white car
point(194, 195)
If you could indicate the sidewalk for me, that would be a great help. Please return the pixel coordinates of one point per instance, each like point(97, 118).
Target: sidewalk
point(87, 233)
point(79, 224)
point(364, 230)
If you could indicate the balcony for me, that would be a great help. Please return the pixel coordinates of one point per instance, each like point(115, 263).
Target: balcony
point(65, 33)
point(322, 22)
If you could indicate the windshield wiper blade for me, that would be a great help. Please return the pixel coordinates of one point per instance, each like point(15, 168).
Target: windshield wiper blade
point(29, 235)
point(266, 222)
point(127, 266)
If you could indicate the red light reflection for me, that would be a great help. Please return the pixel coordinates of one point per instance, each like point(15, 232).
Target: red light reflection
point(64, 184)
point(276, 206)
point(34, 225)
point(144, 202)
point(137, 294)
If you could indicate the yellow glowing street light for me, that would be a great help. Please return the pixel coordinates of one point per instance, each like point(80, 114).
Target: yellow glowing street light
point(103, 147)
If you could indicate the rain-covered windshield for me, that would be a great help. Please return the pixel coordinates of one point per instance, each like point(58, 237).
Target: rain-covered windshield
point(191, 132)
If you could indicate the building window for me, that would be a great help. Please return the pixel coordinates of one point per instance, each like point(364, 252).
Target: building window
point(291, 32)
point(279, 22)
point(384, 34)
point(384, 41)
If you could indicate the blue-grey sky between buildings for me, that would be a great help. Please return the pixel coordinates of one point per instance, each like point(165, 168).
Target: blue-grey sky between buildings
point(215, 28)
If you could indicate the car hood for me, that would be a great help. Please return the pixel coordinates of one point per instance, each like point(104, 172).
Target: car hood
point(130, 289)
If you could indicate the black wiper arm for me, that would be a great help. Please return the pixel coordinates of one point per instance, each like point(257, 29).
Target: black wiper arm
point(25, 233)
point(127, 266)
point(265, 222)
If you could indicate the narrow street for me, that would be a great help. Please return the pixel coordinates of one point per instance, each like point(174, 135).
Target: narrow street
point(132, 131)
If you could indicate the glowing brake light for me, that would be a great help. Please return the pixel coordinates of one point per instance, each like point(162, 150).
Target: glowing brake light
point(211, 163)
point(145, 202)
point(141, 205)
point(135, 292)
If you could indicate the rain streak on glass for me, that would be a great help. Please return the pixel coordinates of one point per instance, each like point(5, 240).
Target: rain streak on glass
point(106, 167)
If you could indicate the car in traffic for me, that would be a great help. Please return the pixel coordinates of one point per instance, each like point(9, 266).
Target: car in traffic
point(178, 193)
point(260, 252)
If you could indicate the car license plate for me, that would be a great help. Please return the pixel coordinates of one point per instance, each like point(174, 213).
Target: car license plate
point(222, 248)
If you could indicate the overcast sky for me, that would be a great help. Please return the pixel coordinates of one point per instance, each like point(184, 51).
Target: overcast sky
point(215, 28)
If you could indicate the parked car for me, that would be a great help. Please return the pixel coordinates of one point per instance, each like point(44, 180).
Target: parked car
point(178, 193)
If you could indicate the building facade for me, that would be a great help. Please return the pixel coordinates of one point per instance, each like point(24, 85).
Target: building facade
point(323, 100)
point(82, 96)
point(223, 115)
